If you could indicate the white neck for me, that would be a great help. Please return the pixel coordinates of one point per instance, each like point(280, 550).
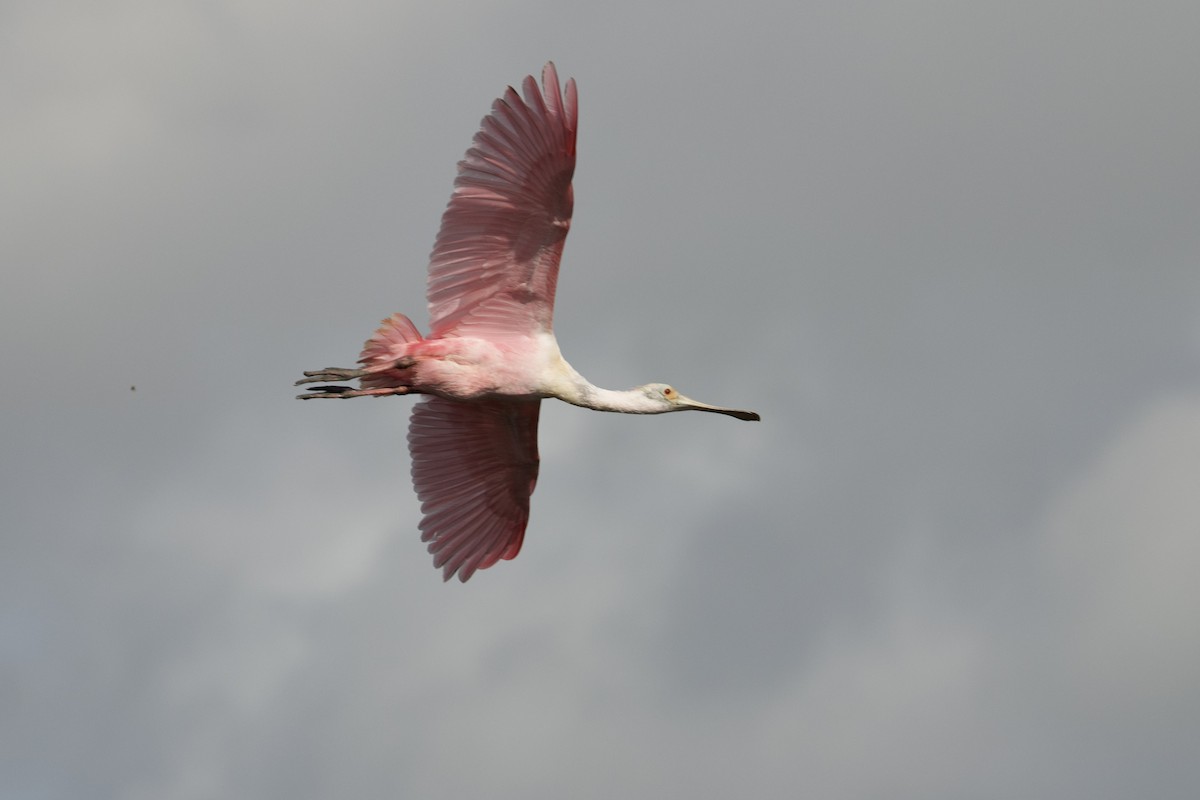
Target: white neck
point(579, 391)
point(626, 401)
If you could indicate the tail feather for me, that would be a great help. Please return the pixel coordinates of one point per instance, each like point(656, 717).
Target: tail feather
point(389, 344)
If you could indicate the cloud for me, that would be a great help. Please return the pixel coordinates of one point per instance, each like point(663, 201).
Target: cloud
point(948, 252)
point(1124, 554)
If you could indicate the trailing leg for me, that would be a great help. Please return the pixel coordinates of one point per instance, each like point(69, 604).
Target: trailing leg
point(330, 374)
point(346, 392)
point(386, 366)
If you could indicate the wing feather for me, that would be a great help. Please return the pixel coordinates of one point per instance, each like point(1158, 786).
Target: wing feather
point(494, 265)
point(474, 466)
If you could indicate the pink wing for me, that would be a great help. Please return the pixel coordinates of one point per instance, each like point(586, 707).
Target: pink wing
point(495, 263)
point(474, 466)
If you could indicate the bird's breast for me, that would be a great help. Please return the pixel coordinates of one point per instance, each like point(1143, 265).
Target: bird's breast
point(469, 368)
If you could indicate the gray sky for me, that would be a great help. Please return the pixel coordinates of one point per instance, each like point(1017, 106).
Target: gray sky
point(948, 250)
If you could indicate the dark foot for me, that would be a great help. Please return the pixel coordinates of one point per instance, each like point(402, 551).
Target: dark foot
point(330, 374)
point(345, 392)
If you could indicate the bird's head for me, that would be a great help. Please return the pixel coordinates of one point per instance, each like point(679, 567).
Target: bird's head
point(662, 398)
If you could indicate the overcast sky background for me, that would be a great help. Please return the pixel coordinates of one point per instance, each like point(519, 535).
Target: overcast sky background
point(950, 251)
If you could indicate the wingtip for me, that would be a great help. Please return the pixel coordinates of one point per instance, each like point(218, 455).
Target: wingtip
point(451, 571)
point(550, 77)
point(563, 98)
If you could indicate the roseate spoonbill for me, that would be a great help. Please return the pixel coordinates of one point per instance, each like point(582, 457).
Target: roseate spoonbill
point(491, 355)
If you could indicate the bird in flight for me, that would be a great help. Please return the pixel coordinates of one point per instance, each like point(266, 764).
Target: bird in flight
point(491, 356)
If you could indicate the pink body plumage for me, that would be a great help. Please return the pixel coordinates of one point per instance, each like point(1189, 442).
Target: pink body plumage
point(491, 355)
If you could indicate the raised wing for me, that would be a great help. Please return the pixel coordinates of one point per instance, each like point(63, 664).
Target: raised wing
point(495, 263)
point(474, 466)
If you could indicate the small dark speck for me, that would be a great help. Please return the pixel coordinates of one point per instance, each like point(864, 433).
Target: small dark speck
point(133, 388)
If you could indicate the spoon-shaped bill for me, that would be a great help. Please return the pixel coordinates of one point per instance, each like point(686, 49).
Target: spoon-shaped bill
point(737, 413)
